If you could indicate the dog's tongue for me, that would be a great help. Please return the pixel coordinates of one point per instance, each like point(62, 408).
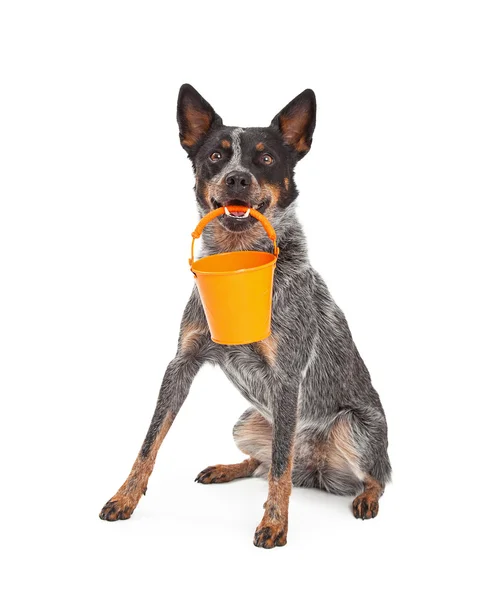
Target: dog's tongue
point(237, 213)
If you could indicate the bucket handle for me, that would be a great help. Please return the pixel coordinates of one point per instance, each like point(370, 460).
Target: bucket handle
point(271, 233)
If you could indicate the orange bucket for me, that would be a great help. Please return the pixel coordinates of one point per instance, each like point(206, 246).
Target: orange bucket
point(236, 288)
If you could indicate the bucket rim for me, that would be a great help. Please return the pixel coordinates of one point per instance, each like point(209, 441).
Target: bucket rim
point(251, 341)
point(267, 265)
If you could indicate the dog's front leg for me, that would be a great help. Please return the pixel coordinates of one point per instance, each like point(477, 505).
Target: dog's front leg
point(175, 387)
point(273, 529)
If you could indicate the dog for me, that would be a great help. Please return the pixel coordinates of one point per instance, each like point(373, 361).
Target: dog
point(315, 419)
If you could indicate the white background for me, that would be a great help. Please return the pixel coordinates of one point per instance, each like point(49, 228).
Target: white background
point(96, 213)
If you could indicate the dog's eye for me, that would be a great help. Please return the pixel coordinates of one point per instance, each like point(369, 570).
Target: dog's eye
point(215, 156)
point(267, 159)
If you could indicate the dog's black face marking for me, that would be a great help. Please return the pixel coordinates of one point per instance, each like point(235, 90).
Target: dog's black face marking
point(252, 166)
point(247, 167)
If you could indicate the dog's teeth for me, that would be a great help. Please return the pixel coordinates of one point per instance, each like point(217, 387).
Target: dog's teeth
point(243, 216)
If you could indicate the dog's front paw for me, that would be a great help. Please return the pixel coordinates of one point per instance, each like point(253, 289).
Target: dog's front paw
point(365, 506)
point(270, 534)
point(118, 508)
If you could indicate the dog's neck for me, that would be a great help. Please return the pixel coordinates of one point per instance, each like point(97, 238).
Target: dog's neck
point(289, 232)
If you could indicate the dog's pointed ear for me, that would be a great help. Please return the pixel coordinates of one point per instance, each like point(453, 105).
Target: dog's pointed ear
point(296, 122)
point(195, 117)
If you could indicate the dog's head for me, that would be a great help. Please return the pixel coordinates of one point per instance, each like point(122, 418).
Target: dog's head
point(251, 166)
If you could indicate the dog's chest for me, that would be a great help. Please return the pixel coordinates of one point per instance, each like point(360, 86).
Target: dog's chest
point(245, 368)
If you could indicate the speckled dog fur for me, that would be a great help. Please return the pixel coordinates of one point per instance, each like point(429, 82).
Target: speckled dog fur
point(315, 419)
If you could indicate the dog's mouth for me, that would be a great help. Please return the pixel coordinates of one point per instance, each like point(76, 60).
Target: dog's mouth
point(237, 214)
point(236, 220)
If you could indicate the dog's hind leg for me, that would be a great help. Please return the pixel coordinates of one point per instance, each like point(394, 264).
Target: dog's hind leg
point(366, 505)
point(346, 456)
point(369, 430)
point(252, 434)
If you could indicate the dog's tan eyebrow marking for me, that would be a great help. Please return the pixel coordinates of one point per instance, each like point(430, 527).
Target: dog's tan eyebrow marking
point(225, 143)
point(260, 146)
point(286, 182)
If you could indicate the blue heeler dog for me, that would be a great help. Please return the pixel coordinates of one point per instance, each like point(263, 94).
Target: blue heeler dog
point(315, 419)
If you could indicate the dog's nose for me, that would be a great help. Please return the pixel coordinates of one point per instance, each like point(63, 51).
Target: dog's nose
point(238, 181)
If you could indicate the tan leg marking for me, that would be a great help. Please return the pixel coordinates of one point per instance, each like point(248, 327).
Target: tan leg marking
point(366, 505)
point(225, 473)
point(273, 529)
point(124, 502)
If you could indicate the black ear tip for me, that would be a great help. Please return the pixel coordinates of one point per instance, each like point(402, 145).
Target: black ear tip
point(186, 88)
point(309, 93)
